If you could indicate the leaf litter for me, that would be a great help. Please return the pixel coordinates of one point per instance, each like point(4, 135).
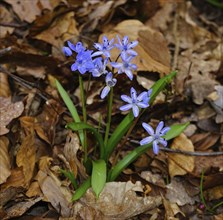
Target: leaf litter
point(35, 145)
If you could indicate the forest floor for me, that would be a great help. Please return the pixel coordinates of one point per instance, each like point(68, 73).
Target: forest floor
point(184, 181)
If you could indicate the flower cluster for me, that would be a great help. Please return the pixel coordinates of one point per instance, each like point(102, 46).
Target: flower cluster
point(97, 63)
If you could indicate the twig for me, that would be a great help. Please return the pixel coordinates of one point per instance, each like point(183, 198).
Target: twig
point(189, 153)
point(4, 24)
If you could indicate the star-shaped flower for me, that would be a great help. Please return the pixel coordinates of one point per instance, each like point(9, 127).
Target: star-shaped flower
point(125, 47)
point(103, 48)
point(155, 136)
point(99, 67)
point(135, 102)
point(126, 66)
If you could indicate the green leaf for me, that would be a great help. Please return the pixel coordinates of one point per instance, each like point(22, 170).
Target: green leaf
point(82, 189)
point(76, 126)
point(72, 109)
point(125, 124)
point(133, 155)
point(70, 176)
point(99, 175)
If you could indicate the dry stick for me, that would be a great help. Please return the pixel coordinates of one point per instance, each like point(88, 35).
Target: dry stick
point(190, 153)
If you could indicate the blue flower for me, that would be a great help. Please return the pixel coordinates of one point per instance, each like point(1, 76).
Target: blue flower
point(83, 62)
point(126, 66)
point(103, 48)
point(147, 96)
point(125, 46)
point(99, 67)
point(135, 102)
point(155, 137)
point(110, 82)
point(71, 47)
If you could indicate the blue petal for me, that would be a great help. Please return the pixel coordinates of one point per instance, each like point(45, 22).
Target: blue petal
point(146, 140)
point(105, 92)
point(72, 46)
point(135, 110)
point(126, 98)
point(163, 142)
point(133, 44)
point(142, 105)
point(164, 131)
point(67, 51)
point(142, 96)
point(159, 127)
point(74, 67)
point(125, 107)
point(148, 128)
point(155, 147)
point(129, 74)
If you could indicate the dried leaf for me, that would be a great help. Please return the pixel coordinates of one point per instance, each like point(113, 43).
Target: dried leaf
point(214, 193)
point(5, 17)
point(8, 111)
point(26, 157)
point(37, 72)
point(4, 160)
point(176, 193)
point(155, 179)
point(20, 208)
point(53, 193)
point(150, 43)
point(4, 86)
point(118, 200)
point(181, 164)
point(29, 10)
point(61, 30)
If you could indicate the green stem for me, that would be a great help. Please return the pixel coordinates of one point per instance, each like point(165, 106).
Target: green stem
point(84, 112)
point(110, 100)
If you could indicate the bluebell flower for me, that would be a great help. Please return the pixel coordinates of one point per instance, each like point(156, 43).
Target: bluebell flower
point(110, 82)
point(83, 62)
point(99, 67)
point(125, 47)
point(103, 48)
point(155, 136)
point(135, 102)
point(147, 97)
point(126, 66)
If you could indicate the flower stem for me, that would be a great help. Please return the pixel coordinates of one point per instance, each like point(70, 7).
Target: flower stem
point(108, 124)
point(84, 112)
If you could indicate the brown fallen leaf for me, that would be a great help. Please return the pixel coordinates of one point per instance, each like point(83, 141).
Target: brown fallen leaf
point(26, 157)
point(5, 166)
point(19, 208)
point(61, 30)
point(214, 193)
point(6, 18)
point(8, 111)
point(176, 193)
point(171, 210)
point(29, 10)
point(150, 43)
point(118, 200)
point(37, 72)
point(181, 164)
point(53, 193)
point(4, 86)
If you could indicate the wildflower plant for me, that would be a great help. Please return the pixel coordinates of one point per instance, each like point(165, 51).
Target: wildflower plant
point(99, 64)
